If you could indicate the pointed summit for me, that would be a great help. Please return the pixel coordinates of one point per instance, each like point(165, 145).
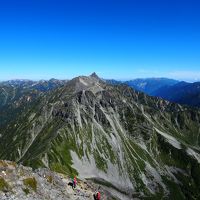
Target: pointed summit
point(92, 83)
point(94, 75)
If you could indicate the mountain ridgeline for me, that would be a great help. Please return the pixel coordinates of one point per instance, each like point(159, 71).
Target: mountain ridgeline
point(136, 145)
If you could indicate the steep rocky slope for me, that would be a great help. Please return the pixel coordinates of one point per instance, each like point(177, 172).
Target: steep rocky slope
point(133, 144)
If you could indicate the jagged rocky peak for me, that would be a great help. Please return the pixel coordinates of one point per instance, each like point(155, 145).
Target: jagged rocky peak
point(92, 83)
point(94, 75)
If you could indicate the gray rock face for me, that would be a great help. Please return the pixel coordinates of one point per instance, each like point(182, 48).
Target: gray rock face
point(135, 145)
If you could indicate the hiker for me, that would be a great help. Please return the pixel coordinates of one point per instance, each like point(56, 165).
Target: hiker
point(74, 182)
point(97, 196)
point(71, 184)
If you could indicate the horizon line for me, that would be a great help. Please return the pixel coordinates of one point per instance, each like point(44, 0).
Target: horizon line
point(189, 80)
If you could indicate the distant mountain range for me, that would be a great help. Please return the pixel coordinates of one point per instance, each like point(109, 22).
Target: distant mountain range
point(135, 145)
point(172, 90)
point(19, 94)
point(42, 85)
point(146, 85)
point(11, 91)
point(149, 85)
point(182, 92)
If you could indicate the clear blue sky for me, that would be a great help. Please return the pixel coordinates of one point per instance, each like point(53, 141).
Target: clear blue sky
point(122, 39)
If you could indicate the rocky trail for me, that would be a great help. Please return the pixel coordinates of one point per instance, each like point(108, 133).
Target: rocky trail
point(18, 182)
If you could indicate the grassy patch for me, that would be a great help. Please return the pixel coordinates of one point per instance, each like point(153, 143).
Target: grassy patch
point(3, 184)
point(49, 179)
point(26, 191)
point(100, 162)
point(175, 192)
point(31, 182)
point(63, 169)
